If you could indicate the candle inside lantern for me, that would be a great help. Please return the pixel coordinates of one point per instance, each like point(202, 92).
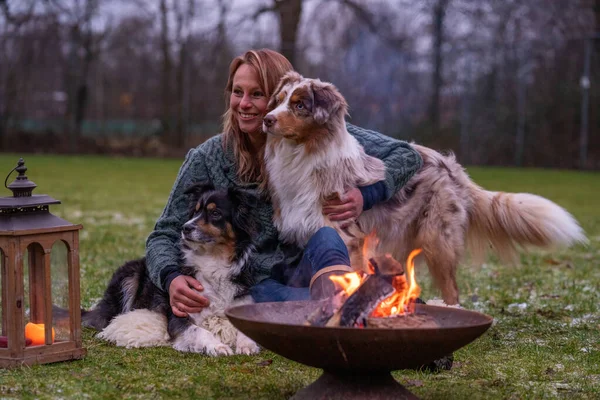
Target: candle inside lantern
point(36, 333)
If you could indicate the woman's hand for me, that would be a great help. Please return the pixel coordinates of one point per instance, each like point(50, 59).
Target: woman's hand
point(346, 209)
point(184, 297)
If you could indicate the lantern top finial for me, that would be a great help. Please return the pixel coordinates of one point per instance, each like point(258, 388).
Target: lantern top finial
point(21, 186)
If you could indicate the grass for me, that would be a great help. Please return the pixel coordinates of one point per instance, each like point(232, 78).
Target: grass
point(544, 343)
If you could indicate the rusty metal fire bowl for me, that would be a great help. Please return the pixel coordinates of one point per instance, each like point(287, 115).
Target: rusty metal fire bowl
point(356, 361)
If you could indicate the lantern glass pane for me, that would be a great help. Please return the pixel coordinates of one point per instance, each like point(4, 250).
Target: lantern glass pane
point(34, 285)
point(38, 290)
point(26, 291)
point(60, 290)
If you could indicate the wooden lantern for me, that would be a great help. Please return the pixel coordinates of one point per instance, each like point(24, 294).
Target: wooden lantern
point(28, 231)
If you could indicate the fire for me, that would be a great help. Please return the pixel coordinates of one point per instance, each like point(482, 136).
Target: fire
point(406, 288)
point(348, 282)
point(407, 291)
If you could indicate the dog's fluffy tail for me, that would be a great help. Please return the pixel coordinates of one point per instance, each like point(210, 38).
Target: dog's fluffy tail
point(121, 295)
point(509, 221)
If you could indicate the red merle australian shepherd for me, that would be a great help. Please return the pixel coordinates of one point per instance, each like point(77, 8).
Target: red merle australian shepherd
point(215, 245)
point(310, 156)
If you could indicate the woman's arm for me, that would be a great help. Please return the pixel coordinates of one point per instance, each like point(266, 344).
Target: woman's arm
point(401, 162)
point(162, 247)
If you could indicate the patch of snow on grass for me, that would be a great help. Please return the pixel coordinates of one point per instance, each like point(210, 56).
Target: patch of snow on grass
point(517, 306)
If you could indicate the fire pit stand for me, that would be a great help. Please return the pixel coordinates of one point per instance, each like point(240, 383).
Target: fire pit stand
point(356, 361)
point(341, 386)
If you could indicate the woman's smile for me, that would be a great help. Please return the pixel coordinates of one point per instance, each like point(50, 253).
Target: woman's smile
point(247, 116)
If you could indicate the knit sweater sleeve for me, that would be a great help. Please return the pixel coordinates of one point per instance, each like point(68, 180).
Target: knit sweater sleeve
point(162, 250)
point(401, 160)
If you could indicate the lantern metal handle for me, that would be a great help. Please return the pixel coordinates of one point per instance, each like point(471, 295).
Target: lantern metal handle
point(11, 171)
point(21, 187)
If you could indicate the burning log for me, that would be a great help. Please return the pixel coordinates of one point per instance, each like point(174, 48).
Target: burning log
point(386, 265)
point(361, 303)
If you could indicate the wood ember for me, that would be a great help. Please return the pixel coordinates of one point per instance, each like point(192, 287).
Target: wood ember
point(363, 301)
point(386, 265)
point(403, 321)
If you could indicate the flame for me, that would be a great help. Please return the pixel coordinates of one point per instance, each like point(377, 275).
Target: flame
point(406, 288)
point(368, 250)
point(403, 299)
point(348, 282)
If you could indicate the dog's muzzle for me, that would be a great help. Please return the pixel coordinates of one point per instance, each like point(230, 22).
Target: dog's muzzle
point(269, 122)
point(190, 233)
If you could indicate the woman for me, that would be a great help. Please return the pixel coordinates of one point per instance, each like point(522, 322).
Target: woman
point(235, 159)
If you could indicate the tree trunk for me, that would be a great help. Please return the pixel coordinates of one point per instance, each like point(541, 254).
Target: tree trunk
point(82, 93)
point(166, 71)
point(179, 135)
point(11, 93)
point(596, 8)
point(439, 13)
point(597, 15)
point(80, 107)
point(289, 18)
point(72, 82)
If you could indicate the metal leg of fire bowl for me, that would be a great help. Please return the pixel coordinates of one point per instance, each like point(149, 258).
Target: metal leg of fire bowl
point(334, 386)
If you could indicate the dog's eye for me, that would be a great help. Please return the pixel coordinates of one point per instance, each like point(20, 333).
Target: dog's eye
point(215, 214)
point(299, 106)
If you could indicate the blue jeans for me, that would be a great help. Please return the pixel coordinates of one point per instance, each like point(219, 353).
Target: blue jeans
point(324, 249)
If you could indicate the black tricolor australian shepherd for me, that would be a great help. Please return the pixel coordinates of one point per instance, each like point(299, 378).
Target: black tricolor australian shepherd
point(215, 244)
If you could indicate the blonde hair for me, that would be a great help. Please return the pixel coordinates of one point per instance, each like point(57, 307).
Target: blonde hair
point(270, 67)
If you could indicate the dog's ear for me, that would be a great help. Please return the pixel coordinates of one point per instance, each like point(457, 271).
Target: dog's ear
point(272, 102)
point(289, 77)
point(196, 191)
point(244, 204)
point(329, 102)
point(198, 188)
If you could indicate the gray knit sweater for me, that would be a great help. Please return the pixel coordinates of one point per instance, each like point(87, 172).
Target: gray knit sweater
point(209, 162)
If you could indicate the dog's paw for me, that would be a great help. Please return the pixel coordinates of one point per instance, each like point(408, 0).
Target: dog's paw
point(247, 347)
point(199, 340)
point(213, 349)
point(216, 350)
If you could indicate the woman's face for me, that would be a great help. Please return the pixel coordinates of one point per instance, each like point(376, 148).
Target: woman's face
point(248, 102)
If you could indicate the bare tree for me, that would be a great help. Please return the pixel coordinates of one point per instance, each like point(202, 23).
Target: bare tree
point(289, 13)
point(184, 14)
point(11, 26)
point(83, 49)
point(167, 66)
point(438, 17)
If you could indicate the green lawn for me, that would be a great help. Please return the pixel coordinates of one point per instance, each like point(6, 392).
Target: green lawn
point(545, 342)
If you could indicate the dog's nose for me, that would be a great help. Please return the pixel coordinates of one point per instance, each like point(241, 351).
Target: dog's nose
point(269, 120)
point(187, 229)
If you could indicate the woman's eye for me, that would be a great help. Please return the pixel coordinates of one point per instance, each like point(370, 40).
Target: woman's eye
point(299, 106)
point(237, 92)
point(258, 94)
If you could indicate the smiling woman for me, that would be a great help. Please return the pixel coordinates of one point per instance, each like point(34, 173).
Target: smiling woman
point(252, 79)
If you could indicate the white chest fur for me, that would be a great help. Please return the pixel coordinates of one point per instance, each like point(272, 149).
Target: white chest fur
point(300, 181)
point(215, 276)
